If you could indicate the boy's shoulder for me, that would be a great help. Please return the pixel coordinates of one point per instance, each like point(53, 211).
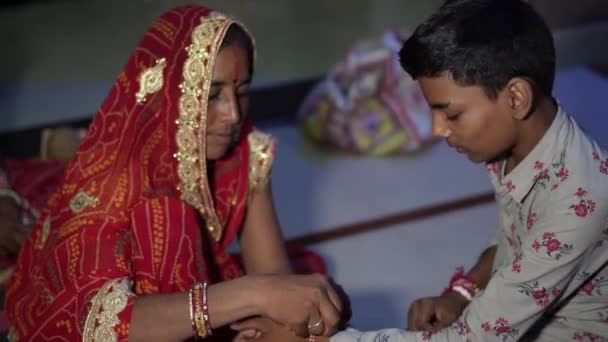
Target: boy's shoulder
point(579, 168)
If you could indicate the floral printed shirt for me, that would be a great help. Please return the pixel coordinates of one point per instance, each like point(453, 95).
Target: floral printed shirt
point(550, 280)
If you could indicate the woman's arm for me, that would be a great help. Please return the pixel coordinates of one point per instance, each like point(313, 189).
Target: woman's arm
point(262, 244)
point(166, 317)
point(290, 300)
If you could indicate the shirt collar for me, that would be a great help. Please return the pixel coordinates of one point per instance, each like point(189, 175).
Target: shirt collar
point(535, 166)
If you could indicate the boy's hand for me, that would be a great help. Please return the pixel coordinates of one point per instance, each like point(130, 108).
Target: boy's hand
point(435, 313)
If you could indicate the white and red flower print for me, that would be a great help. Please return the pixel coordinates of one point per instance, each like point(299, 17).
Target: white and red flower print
point(552, 245)
point(592, 286)
point(541, 296)
point(500, 328)
point(585, 206)
point(603, 164)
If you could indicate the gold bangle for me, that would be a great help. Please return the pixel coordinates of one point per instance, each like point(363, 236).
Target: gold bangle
point(206, 309)
point(191, 307)
point(199, 322)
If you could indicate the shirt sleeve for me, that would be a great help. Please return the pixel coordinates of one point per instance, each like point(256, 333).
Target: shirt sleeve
point(549, 257)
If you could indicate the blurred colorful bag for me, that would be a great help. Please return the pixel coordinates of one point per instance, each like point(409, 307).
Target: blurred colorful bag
point(367, 104)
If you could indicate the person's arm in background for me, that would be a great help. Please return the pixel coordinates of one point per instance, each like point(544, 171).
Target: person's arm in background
point(12, 233)
point(10, 239)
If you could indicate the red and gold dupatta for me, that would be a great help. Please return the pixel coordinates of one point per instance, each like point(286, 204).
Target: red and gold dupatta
point(137, 212)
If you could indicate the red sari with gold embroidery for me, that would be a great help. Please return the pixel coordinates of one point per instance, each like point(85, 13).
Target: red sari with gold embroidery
point(136, 212)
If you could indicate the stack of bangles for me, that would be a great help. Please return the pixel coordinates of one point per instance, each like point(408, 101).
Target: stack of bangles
point(199, 310)
point(462, 284)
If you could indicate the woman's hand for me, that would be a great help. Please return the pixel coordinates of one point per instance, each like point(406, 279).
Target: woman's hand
point(306, 304)
point(265, 330)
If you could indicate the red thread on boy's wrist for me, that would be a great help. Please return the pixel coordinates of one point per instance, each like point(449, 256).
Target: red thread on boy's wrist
point(462, 280)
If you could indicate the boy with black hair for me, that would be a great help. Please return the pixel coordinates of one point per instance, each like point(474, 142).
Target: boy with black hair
point(486, 68)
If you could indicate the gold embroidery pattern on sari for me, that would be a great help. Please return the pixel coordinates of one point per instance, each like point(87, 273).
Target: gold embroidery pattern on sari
point(147, 152)
point(102, 166)
point(66, 324)
point(260, 159)
point(192, 121)
point(72, 226)
point(158, 238)
point(121, 190)
point(109, 301)
point(44, 233)
point(81, 201)
point(124, 82)
point(150, 80)
point(165, 28)
point(73, 256)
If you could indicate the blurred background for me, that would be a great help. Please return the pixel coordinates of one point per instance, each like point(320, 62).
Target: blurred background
point(61, 56)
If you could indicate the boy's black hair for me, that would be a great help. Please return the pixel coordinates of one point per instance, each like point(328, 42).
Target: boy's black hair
point(484, 43)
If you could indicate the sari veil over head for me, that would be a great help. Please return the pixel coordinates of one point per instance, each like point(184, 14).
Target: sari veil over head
point(140, 209)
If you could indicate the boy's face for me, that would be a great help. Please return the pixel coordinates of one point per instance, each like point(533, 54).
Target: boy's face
point(471, 122)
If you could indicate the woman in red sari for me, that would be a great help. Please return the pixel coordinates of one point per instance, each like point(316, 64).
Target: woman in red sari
point(133, 243)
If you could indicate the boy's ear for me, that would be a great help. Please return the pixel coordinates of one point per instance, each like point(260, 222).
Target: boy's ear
point(520, 96)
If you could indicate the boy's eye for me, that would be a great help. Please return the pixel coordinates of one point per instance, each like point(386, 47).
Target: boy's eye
point(453, 117)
